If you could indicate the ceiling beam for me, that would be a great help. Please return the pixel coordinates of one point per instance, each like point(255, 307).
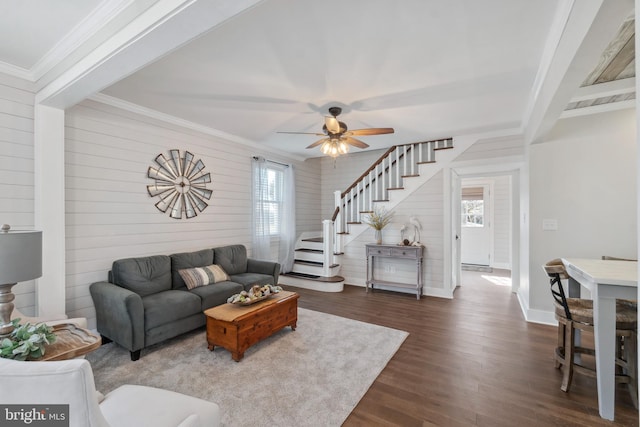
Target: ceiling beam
point(587, 30)
point(164, 27)
point(615, 87)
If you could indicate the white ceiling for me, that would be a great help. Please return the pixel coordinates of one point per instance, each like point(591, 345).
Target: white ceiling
point(428, 68)
point(30, 29)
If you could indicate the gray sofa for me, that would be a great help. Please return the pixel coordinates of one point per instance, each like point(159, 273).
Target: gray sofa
point(146, 300)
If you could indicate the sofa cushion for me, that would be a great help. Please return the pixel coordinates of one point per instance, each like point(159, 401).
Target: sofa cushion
point(145, 275)
point(202, 276)
point(184, 260)
point(247, 280)
point(216, 294)
point(232, 258)
point(169, 306)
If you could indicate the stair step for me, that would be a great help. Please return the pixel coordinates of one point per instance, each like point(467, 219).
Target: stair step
point(410, 176)
point(314, 263)
point(354, 222)
point(315, 278)
point(395, 188)
point(315, 251)
point(314, 239)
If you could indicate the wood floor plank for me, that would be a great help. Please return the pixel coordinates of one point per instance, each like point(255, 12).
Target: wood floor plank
point(469, 361)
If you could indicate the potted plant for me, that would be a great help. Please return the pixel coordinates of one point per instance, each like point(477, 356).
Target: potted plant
point(379, 219)
point(26, 341)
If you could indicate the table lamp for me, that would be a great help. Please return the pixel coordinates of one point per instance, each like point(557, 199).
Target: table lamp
point(20, 260)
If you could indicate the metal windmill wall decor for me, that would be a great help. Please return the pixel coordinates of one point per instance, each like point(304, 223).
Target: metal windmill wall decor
point(180, 184)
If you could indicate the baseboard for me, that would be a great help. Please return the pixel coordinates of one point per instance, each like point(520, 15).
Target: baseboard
point(501, 266)
point(428, 292)
point(536, 316)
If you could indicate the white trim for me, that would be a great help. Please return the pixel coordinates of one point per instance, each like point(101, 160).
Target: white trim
point(49, 208)
point(163, 27)
point(551, 46)
point(437, 292)
point(15, 71)
point(601, 108)
point(600, 90)
point(167, 118)
point(536, 316)
point(474, 169)
point(501, 265)
point(81, 33)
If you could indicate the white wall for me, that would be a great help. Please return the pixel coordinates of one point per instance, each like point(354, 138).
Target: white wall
point(583, 176)
point(109, 214)
point(16, 168)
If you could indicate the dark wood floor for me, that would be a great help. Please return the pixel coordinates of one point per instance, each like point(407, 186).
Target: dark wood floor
point(468, 361)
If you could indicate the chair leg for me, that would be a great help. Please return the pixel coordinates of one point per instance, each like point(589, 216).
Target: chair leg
point(631, 356)
point(569, 344)
point(561, 329)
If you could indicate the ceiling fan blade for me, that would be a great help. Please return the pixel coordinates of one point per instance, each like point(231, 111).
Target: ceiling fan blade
point(332, 124)
point(303, 133)
point(318, 142)
point(355, 142)
point(370, 131)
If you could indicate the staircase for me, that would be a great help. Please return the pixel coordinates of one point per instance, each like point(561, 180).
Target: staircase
point(391, 179)
point(314, 266)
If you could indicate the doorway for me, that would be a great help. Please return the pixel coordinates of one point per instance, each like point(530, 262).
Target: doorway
point(476, 225)
point(485, 213)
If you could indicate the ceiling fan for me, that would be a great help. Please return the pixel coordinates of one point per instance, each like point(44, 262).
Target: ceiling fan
point(337, 137)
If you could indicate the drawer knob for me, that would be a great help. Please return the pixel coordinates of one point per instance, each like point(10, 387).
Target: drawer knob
point(404, 253)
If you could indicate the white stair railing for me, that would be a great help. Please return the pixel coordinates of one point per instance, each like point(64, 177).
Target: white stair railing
point(387, 172)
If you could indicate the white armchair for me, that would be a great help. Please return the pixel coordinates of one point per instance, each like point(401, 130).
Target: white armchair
point(71, 382)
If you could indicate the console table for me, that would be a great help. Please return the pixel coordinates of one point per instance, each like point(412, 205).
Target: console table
point(398, 252)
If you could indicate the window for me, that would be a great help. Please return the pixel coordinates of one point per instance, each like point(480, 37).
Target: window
point(269, 188)
point(472, 207)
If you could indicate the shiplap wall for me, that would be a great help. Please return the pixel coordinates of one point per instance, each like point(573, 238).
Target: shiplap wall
point(502, 222)
point(16, 168)
point(109, 214)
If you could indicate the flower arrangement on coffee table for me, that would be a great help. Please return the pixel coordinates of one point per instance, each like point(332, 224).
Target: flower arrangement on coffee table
point(255, 294)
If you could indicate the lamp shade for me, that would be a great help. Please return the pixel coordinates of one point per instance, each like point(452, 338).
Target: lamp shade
point(20, 256)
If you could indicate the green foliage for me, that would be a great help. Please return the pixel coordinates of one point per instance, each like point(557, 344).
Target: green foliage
point(26, 341)
point(379, 219)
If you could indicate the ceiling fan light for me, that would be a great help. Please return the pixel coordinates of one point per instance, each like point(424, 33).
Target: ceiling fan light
point(325, 147)
point(343, 148)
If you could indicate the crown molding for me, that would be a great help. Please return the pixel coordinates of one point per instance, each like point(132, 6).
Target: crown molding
point(167, 118)
point(15, 71)
point(81, 33)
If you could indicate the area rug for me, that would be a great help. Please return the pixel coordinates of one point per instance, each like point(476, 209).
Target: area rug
point(313, 376)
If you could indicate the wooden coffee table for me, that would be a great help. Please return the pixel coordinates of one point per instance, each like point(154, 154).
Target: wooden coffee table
point(238, 327)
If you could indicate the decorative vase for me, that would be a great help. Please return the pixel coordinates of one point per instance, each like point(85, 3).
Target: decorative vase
point(378, 237)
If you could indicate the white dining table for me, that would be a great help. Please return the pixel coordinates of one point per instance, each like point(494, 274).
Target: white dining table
point(607, 281)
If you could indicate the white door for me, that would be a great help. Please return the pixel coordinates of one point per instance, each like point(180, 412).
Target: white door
point(475, 225)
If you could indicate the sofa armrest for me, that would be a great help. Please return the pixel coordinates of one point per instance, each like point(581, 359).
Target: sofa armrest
point(264, 267)
point(119, 314)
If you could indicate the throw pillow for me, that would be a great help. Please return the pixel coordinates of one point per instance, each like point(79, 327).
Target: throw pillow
point(201, 276)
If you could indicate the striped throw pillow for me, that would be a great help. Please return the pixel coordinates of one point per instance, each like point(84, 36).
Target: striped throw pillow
point(201, 276)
